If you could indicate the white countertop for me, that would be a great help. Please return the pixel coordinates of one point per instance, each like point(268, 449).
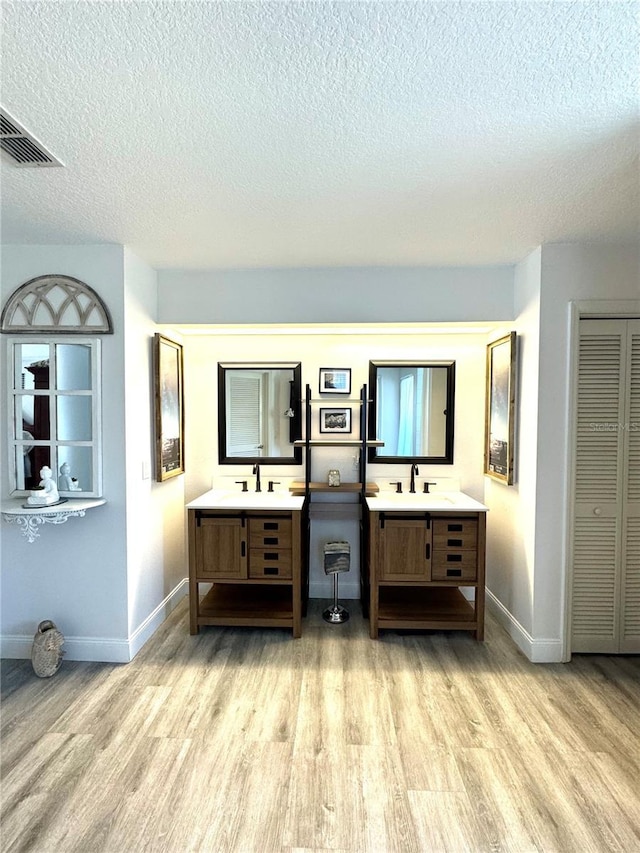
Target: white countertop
point(419, 502)
point(219, 499)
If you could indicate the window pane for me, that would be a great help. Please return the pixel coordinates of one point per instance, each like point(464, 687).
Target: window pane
point(75, 472)
point(28, 466)
point(32, 416)
point(73, 367)
point(31, 366)
point(74, 418)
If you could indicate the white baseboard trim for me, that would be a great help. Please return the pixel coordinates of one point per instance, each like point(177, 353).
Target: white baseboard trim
point(324, 589)
point(101, 649)
point(153, 621)
point(537, 651)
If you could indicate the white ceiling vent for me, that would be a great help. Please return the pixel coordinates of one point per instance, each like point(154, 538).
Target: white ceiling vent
point(21, 146)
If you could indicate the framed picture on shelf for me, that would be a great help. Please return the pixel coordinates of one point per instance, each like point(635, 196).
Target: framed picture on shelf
point(500, 405)
point(335, 420)
point(335, 380)
point(169, 407)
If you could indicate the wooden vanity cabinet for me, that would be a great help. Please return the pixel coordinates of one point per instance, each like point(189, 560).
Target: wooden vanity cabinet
point(251, 562)
point(417, 565)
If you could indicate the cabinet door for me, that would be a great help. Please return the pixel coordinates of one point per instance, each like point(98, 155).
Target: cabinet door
point(221, 551)
point(405, 550)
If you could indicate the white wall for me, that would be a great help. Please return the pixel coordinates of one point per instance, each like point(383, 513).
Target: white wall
point(156, 557)
point(512, 516)
point(527, 586)
point(74, 573)
point(569, 272)
point(202, 353)
point(351, 295)
point(108, 579)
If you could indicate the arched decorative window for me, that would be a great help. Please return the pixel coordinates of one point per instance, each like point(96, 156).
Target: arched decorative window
point(56, 304)
point(55, 391)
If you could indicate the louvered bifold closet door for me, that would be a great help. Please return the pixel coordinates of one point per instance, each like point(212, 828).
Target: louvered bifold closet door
point(597, 525)
point(630, 592)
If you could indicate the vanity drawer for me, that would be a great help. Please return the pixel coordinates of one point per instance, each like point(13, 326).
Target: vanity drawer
point(268, 563)
point(269, 533)
point(454, 566)
point(455, 533)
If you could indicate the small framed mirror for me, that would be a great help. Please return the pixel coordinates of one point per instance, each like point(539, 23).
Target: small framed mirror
point(56, 408)
point(412, 411)
point(259, 413)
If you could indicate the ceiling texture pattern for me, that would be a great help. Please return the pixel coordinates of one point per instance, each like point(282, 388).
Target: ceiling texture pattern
point(296, 134)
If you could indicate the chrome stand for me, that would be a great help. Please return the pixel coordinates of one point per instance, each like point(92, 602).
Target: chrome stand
point(335, 614)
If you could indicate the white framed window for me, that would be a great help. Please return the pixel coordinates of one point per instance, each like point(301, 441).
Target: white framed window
point(55, 413)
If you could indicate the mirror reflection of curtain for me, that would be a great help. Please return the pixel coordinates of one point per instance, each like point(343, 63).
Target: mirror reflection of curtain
point(406, 426)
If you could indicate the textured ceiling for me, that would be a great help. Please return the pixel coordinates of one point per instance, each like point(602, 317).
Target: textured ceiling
point(236, 134)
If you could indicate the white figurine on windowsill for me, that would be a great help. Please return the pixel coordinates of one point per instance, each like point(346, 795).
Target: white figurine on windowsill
point(66, 482)
point(48, 491)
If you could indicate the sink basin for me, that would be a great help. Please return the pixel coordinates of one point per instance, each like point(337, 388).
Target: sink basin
point(220, 499)
point(406, 502)
point(419, 498)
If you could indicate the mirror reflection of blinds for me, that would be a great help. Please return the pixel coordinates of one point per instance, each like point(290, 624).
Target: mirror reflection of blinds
point(244, 417)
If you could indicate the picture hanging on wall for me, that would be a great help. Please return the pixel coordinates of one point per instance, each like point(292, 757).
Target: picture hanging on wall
point(335, 420)
point(500, 406)
point(335, 380)
point(169, 407)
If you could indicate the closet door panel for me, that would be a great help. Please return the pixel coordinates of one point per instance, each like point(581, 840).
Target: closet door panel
point(630, 597)
point(596, 533)
point(595, 587)
point(630, 621)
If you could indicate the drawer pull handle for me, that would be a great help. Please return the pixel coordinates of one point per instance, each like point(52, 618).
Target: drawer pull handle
point(243, 549)
point(456, 543)
point(271, 556)
point(454, 558)
point(270, 540)
point(271, 570)
point(454, 528)
point(428, 551)
point(454, 573)
point(271, 525)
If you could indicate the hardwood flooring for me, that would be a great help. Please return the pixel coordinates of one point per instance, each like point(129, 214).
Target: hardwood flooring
point(247, 740)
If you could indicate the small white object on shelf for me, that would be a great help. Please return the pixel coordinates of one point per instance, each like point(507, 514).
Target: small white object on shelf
point(65, 481)
point(47, 493)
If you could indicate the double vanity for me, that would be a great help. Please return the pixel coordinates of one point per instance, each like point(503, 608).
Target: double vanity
point(422, 553)
point(423, 560)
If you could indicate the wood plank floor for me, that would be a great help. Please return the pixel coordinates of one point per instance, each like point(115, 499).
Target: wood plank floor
point(246, 740)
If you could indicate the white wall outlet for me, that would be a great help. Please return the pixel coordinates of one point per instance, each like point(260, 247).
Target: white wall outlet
point(146, 470)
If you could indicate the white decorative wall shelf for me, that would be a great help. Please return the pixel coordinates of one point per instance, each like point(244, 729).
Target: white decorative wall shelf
point(30, 518)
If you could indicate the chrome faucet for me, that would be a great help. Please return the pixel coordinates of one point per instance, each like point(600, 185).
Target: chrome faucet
point(414, 471)
point(256, 471)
